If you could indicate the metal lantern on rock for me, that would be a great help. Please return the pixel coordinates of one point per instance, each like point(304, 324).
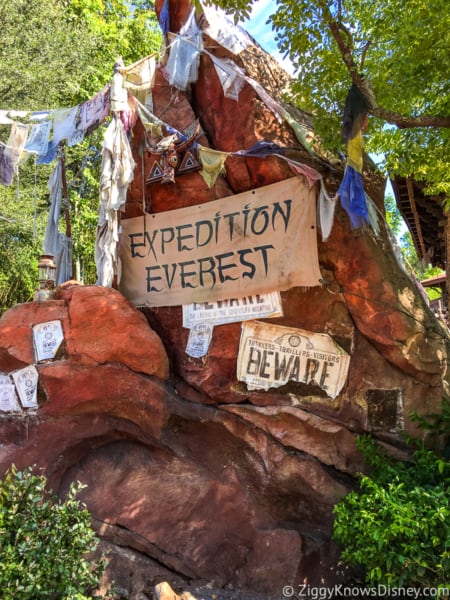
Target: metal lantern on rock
point(47, 278)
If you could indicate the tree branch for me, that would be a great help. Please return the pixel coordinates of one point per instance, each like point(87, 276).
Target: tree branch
point(363, 55)
point(405, 122)
point(402, 121)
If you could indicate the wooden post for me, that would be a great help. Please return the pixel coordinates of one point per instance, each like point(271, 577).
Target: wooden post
point(66, 199)
point(447, 266)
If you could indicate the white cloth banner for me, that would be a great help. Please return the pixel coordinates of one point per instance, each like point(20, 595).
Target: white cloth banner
point(270, 356)
point(251, 243)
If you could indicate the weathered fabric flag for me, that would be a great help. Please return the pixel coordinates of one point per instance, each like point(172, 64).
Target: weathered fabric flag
point(251, 243)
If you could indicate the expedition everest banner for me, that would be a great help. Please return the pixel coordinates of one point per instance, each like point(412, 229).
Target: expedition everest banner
point(250, 243)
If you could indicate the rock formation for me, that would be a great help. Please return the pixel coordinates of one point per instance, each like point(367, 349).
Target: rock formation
point(190, 475)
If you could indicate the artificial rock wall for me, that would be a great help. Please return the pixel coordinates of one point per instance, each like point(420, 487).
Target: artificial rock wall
point(189, 474)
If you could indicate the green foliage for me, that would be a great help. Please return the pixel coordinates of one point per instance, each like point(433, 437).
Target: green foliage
point(397, 524)
point(401, 48)
point(437, 423)
point(44, 543)
point(57, 54)
point(21, 217)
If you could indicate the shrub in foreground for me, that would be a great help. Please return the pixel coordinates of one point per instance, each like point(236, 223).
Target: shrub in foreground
point(396, 526)
point(44, 542)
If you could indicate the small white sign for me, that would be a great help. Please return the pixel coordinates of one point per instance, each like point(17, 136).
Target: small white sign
point(8, 399)
point(199, 339)
point(4, 379)
point(271, 355)
point(48, 337)
point(26, 381)
point(258, 306)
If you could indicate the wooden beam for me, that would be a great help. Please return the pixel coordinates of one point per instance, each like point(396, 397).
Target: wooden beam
point(412, 203)
point(447, 266)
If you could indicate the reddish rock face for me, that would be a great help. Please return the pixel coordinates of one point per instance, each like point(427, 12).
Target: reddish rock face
point(190, 475)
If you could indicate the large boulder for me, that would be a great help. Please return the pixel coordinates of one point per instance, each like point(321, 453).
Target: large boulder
point(190, 474)
point(196, 488)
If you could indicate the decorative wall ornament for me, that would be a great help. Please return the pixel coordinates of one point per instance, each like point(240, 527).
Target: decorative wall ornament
point(175, 154)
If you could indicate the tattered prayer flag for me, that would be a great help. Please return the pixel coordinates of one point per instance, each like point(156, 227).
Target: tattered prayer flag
point(213, 164)
point(220, 27)
point(141, 74)
point(93, 112)
point(37, 142)
point(230, 75)
point(64, 124)
point(351, 190)
point(6, 166)
point(16, 141)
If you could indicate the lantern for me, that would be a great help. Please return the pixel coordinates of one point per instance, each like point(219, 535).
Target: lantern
point(47, 277)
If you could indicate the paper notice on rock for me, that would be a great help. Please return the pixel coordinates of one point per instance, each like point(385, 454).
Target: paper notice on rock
point(270, 356)
point(26, 381)
point(8, 399)
point(199, 339)
point(48, 337)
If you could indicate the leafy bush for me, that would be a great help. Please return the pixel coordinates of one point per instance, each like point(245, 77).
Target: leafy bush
point(44, 542)
point(397, 525)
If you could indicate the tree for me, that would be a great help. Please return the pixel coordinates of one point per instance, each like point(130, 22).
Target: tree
point(45, 543)
point(395, 52)
point(56, 55)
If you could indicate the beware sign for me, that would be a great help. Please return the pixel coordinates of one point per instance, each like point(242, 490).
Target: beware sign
point(271, 355)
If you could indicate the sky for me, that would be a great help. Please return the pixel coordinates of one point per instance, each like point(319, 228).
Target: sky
point(256, 26)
